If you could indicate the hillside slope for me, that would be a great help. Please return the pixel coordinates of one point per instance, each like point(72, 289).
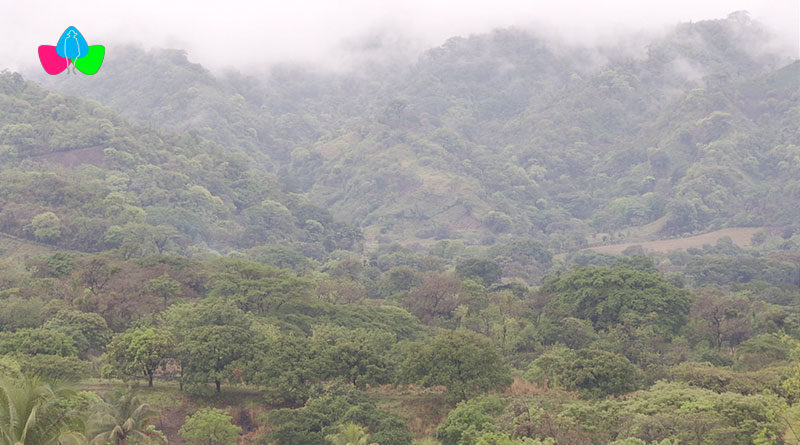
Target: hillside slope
point(504, 133)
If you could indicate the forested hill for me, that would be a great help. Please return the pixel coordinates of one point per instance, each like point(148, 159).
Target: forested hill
point(74, 175)
point(394, 255)
point(505, 133)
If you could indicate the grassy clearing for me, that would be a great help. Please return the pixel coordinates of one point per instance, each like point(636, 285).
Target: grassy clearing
point(14, 252)
point(739, 235)
point(422, 409)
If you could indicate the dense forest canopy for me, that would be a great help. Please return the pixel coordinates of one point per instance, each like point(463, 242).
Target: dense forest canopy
point(453, 251)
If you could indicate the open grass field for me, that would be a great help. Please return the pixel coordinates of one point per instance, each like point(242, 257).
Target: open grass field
point(14, 252)
point(739, 235)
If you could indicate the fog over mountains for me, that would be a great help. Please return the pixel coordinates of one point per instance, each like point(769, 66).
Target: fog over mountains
point(501, 133)
point(429, 223)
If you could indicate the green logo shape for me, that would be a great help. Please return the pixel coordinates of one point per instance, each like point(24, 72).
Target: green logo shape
point(90, 63)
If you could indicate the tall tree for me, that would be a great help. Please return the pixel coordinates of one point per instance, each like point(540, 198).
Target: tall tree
point(465, 362)
point(210, 353)
point(140, 351)
point(610, 296)
point(436, 297)
point(165, 288)
point(88, 330)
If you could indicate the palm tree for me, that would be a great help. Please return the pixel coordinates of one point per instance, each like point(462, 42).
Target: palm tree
point(123, 419)
point(349, 434)
point(30, 414)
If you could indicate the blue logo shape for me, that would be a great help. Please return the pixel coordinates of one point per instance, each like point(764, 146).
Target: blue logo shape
point(72, 45)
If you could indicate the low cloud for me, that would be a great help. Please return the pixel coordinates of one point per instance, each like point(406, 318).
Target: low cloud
point(339, 34)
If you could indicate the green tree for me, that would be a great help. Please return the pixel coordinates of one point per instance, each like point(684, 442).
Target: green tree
point(124, 420)
point(437, 297)
point(54, 368)
point(18, 134)
point(17, 312)
point(165, 288)
point(322, 416)
point(594, 373)
point(88, 330)
point(469, 420)
point(792, 384)
point(349, 434)
point(498, 222)
point(465, 362)
point(504, 439)
point(256, 287)
point(211, 353)
point(289, 367)
point(46, 226)
point(685, 414)
point(30, 414)
point(357, 355)
point(182, 317)
point(610, 296)
point(487, 271)
point(140, 351)
point(210, 426)
point(37, 341)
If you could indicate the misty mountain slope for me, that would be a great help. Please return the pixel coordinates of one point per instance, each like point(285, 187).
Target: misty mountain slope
point(163, 88)
point(598, 148)
point(75, 175)
point(264, 119)
point(506, 133)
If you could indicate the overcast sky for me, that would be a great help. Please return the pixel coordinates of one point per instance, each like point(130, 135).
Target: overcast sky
point(244, 33)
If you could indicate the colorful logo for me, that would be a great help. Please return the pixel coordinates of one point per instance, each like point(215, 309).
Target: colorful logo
point(71, 49)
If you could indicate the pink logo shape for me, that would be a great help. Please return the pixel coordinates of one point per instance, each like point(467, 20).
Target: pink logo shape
point(51, 61)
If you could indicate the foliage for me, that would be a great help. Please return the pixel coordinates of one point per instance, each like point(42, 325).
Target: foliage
point(465, 362)
point(488, 272)
point(302, 229)
point(89, 331)
point(17, 313)
point(609, 296)
point(141, 351)
point(719, 379)
point(469, 420)
point(54, 368)
point(210, 426)
point(349, 434)
point(322, 416)
point(30, 413)
point(123, 420)
point(290, 367)
point(37, 341)
point(211, 353)
point(593, 373)
point(678, 412)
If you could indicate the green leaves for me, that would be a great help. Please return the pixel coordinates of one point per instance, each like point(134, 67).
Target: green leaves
point(88, 330)
point(469, 420)
point(140, 351)
point(322, 416)
point(37, 341)
point(124, 419)
point(465, 362)
point(34, 413)
point(210, 353)
point(610, 296)
point(210, 426)
point(593, 373)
